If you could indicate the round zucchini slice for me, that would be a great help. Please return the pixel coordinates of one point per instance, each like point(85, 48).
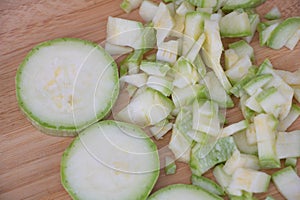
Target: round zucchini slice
point(110, 160)
point(183, 192)
point(66, 84)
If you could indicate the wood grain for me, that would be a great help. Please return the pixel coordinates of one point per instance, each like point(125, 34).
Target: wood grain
point(29, 160)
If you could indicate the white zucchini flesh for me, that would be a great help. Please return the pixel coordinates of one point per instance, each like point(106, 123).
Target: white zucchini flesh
point(148, 10)
point(235, 24)
point(250, 180)
point(163, 22)
point(66, 84)
point(113, 49)
point(123, 32)
point(288, 183)
point(288, 144)
point(148, 107)
point(290, 118)
point(106, 158)
point(183, 192)
point(129, 5)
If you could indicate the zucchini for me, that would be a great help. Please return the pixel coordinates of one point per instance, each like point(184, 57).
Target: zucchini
point(105, 158)
point(242, 48)
point(243, 146)
point(254, 21)
point(290, 162)
point(148, 10)
point(216, 91)
point(210, 154)
point(212, 51)
point(287, 144)
point(235, 24)
point(290, 118)
point(287, 182)
point(161, 84)
point(221, 176)
point(234, 128)
point(238, 160)
point(158, 131)
point(239, 69)
point(250, 180)
point(292, 42)
point(65, 85)
point(148, 107)
point(283, 32)
point(155, 68)
point(180, 145)
point(163, 22)
point(186, 96)
point(170, 166)
point(129, 5)
point(207, 184)
point(113, 49)
point(167, 51)
point(265, 127)
point(138, 80)
point(123, 32)
point(235, 4)
point(182, 192)
point(274, 13)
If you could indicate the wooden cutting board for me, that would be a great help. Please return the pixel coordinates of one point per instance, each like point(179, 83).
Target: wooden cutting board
point(30, 160)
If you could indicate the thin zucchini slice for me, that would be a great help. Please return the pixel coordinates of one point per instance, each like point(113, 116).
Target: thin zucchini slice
point(110, 160)
point(65, 85)
point(183, 192)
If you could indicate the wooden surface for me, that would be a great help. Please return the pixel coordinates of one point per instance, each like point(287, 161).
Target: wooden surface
point(30, 160)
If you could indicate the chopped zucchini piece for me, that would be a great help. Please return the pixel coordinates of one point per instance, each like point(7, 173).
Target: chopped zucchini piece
point(239, 69)
point(238, 160)
point(235, 4)
point(138, 80)
point(242, 48)
point(167, 51)
point(283, 32)
point(290, 118)
point(180, 146)
point(240, 140)
point(216, 91)
point(290, 162)
point(186, 96)
point(274, 13)
point(265, 127)
point(287, 182)
point(254, 21)
point(231, 57)
point(234, 128)
point(148, 107)
point(221, 176)
point(207, 184)
point(161, 84)
point(158, 131)
point(288, 144)
point(206, 118)
point(212, 50)
point(113, 49)
point(185, 73)
point(148, 10)
point(235, 24)
point(250, 180)
point(123, 32)
point(163, 22)
point(170, 165)
point(257, 82)
point(218, 152)
point(155, 68)
point(129, 5)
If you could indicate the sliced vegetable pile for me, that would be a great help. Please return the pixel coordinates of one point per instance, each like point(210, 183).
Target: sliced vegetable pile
point(173, 75)
point(186, 68)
